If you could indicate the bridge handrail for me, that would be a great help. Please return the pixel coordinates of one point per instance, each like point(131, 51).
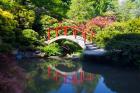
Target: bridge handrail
point(75, 30)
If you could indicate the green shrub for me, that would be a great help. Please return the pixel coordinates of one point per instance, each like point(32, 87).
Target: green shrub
point(103, 37)
point(129, 47)
point(68, 22)
point(52, 49)
point(25, 18)
point(122, 40)
point(28, 38)
point(48, 21)
point(7, 25)
point(133, 25)
point(30, 34)
point(73, 47)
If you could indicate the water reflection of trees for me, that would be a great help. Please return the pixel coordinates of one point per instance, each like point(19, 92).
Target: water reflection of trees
point(37, 79)
point(40, 82)
point(117, 79)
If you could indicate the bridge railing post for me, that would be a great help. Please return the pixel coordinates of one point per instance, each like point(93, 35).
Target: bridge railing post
point(84, 36)
point(81, 76)
point(74, 32)
point(56, 32)
point(49, 33)
point(65, 30)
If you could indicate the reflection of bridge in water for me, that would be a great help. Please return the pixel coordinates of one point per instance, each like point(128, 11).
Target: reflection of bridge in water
point(75, 77)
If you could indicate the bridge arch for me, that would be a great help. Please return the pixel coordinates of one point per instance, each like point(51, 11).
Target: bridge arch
point(78, 39)
point(81, 39)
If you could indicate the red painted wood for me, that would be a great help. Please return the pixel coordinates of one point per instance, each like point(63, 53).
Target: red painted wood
point(56, 76)
point(74, 78)
point(74, 29)
point(81, 76)
point(74, 32)
point(49, 71)
point(49, 34)
point(56, 32)
point(84, 36)
point(65, 30)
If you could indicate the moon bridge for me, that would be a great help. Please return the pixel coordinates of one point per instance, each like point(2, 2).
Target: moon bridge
point(79, 35)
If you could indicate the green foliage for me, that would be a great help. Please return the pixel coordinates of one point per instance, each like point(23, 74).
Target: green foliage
point(73, 47)
point(128, 46)
point(59, 11)
point(7, 22)
point(25, 18)
point(131, 26)
point(122, 40)
point(81, 10)
point(102, 37)
point(126, 10)
point(28, 38)
point(8, 4)
point(68, 22)
point(30, 34)
point(101, 6)
point(7, 25)
point(134, 25)
point(48, 22)
point(52, 49)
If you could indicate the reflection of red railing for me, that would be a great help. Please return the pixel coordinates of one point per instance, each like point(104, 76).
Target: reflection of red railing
point(75, 77)
point(75, 30)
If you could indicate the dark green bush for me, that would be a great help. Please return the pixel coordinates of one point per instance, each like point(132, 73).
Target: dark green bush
point(28, 37)
point(131, 26)
point(128, 46)
point(122, 40)
point(7, 25)
point(103, 37)
point(72, 46)
point(4, 47)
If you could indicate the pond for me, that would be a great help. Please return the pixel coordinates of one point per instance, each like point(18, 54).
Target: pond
point(67, 76)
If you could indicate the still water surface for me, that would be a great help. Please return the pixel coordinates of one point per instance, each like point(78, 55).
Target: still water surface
point(66, 76)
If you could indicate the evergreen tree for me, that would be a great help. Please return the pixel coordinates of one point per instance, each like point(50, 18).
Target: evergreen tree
point(81, 10)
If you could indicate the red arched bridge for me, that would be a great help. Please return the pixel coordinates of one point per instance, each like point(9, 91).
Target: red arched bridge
point(76, 34)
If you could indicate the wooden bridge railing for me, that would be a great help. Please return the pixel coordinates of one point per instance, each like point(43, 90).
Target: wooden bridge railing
point(75, 30)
